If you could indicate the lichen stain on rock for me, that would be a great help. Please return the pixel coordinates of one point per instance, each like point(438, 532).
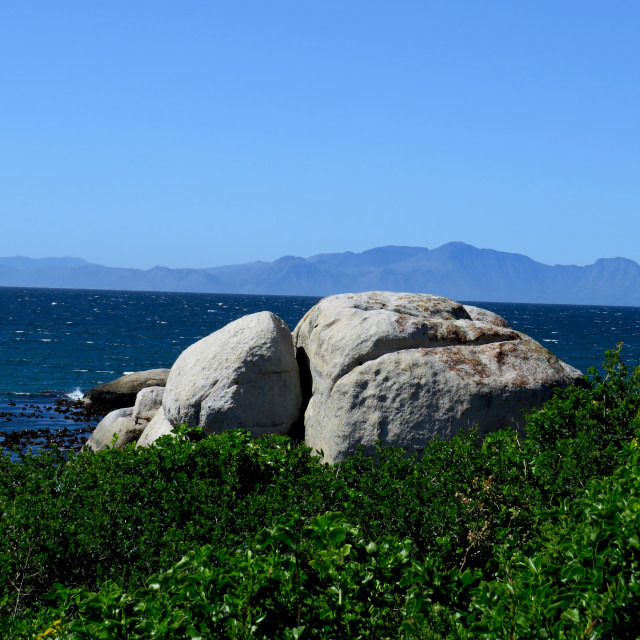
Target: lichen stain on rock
point(449, 333)
point(503, 350)
point(401, 322)
point(543, 354)
point(505, 353)
point(465, 364)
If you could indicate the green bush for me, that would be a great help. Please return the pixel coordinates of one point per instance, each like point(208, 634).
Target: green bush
point(578, 433)
point(583, 579)
point(122, 515)
point(104, 523)
point(324, 580)
point(321, 580)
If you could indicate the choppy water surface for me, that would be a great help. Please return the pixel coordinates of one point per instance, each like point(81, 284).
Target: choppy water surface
point(56, 342)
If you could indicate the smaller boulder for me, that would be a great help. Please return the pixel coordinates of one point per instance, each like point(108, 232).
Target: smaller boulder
point(243, 376)
point(119, 422)
point(148, 401)
point(158, 427)
point(121, 392)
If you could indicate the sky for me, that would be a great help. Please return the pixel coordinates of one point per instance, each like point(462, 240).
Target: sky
point(196, 133)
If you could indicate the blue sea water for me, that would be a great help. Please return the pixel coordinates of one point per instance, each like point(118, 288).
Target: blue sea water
point(57, 343)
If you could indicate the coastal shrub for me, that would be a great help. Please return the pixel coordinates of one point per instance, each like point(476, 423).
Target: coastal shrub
point(457, 500)
point(320, 580)
point(123, 514)
point(582, 579)
point(467, 504)
point(325, 580)
point(577, 434)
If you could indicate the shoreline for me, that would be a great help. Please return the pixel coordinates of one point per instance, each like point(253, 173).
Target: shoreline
point(70, 424)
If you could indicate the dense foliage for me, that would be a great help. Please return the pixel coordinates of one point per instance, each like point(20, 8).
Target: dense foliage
point(229, 537)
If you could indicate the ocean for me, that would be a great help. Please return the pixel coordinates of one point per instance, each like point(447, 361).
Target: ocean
point(55, 344)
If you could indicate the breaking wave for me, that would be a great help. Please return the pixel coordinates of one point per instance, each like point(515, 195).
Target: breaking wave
point(76, 394)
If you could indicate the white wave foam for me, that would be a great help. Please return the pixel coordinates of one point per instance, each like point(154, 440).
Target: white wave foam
point(126, 373)
point(76, 394)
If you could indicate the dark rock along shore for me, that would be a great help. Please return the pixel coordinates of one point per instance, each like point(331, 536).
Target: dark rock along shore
point(67, 438)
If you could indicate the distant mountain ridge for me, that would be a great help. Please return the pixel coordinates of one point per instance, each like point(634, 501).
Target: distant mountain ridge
point(455, 270)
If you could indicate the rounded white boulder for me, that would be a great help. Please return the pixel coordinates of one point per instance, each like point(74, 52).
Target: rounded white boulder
point(244, 376)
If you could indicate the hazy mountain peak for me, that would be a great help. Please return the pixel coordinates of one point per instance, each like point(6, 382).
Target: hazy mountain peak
point(455, 270)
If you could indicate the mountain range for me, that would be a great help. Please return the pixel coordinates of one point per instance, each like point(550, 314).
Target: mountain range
point(455, 270)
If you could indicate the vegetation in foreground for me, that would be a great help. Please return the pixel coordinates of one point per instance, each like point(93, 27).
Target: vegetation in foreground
point(227, 537)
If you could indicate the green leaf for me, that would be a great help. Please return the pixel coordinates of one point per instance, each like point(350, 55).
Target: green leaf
point(467, 577)
point(337, 535)
point(572, 614)
point(535, 564)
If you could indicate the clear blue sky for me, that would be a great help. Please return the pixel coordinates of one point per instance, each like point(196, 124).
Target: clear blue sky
point(200, 133)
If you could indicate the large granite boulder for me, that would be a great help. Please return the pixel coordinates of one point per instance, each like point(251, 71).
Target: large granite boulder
point(403, 368)
point(158, 426)
point(119, 422)
point(244, 376)
point(121, 393)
